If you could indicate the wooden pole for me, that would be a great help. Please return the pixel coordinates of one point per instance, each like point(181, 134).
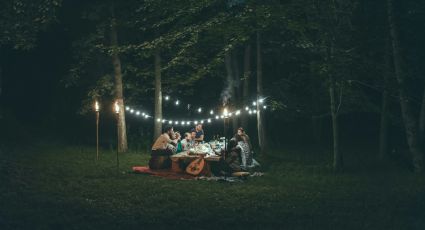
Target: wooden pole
point(97, 135)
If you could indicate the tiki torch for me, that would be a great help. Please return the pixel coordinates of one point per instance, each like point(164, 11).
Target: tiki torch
point(117, 112)
point(96, 109)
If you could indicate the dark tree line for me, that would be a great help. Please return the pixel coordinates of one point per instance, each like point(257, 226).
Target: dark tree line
point(313, 59)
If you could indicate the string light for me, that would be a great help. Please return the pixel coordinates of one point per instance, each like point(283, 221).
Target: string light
point(199, 110)
point(132, 111)
point(261, 100)
point(163, 121)
point(138, 113)
point(265, 107)
point(176, 122)
point(177, 102)
point(211, 112)
point(202, 121)
point(255, 111)
point(127, 108)
point(247, 108)
point(158, 120)
point(167, 98)
point(209, 120)
point(170, 122)
point(254, 103)
point(217, 117)
point(238, 112)
point(250, 112)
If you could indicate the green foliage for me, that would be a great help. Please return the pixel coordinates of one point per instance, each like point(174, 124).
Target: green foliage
point(22, 20)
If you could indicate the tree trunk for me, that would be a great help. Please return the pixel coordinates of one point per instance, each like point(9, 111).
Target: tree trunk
point(246, 79)
point(158, 96)
point(410, 122)
point(383, 131)
point(422, 123)
point(337, 155)
point(116, 62)
point(1, 88)
point(260, 116)
point(236, 87)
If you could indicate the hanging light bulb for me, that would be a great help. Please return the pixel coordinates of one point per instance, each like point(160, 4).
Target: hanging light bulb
point(250, 112)
point(176, 122)
point(265, 107)
point(158, 120)
point(238, 112)
point(183, 123)
point(188, 123)
point(261, 100)
point(177, 102)
point(199, 110)
point(225, 112)
point(138, 113)
point(209, 120)
point(132, 111)
point(255, 111)
point(211, 112)
point(247, 108)
point(216, 117)
point(127, 108)
point(254, 103)
point(196, 122)
point(202, 121)
point(167, 98)
point(163, 121)
point(170, 122)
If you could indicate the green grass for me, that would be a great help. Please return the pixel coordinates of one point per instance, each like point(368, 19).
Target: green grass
point(51, 186)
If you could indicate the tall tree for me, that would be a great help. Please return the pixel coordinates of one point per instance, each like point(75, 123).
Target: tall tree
point(261, 127)
point(116, 63)
point(246, 79)
point(158, 95)
point(410, 123)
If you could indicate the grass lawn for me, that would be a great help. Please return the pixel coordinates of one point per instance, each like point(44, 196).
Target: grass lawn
point(48, 186)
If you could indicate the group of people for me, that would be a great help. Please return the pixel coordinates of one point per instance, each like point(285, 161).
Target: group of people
point(238, 157)
point(170, 142)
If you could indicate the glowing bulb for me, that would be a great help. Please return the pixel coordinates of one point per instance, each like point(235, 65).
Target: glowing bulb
point(202, 121)
point(261, 100)
point(183, 123)
point(265, 107)
point(250, 112)
point(238, 112)
point(230, 114)
point(255, 111)
point(96, 106)
point(225, 112)
point(138, 113)
point(163, 121)
point(199, 110)
point(254, 103)
point(176, 122)
point(167, 98)
point(188, 123)
point(196, 122)
point(247, 108)
point(209, 120)
point(170, 122)
point(211, 112)
point(132, 111)
point(221, 116)
point(177, 102)
point(158, 120)
point(143, 114)
point(127, 108)
point(216, 117)
point(146, 116)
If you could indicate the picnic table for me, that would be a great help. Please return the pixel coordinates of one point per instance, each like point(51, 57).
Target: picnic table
point(201, 150)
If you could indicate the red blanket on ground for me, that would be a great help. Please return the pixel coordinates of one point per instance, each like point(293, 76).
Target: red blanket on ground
point(166, 173)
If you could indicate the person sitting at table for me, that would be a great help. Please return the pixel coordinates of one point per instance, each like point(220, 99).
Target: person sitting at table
point(186, 142)
point(232, 161)
point(244, 143)
point(199, 136)
point(164, 146)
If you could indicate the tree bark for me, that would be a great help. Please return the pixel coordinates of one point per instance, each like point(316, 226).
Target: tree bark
point(410, 123)
point(422, 123)
point(337, 155)
point(236, 87)
point(116, 62)
point(246, 79)
point(260, 116)
point(158, 96)
point(383, 131)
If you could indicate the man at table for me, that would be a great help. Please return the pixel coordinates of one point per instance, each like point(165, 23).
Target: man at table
point(163, 147)
point(199, 136)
